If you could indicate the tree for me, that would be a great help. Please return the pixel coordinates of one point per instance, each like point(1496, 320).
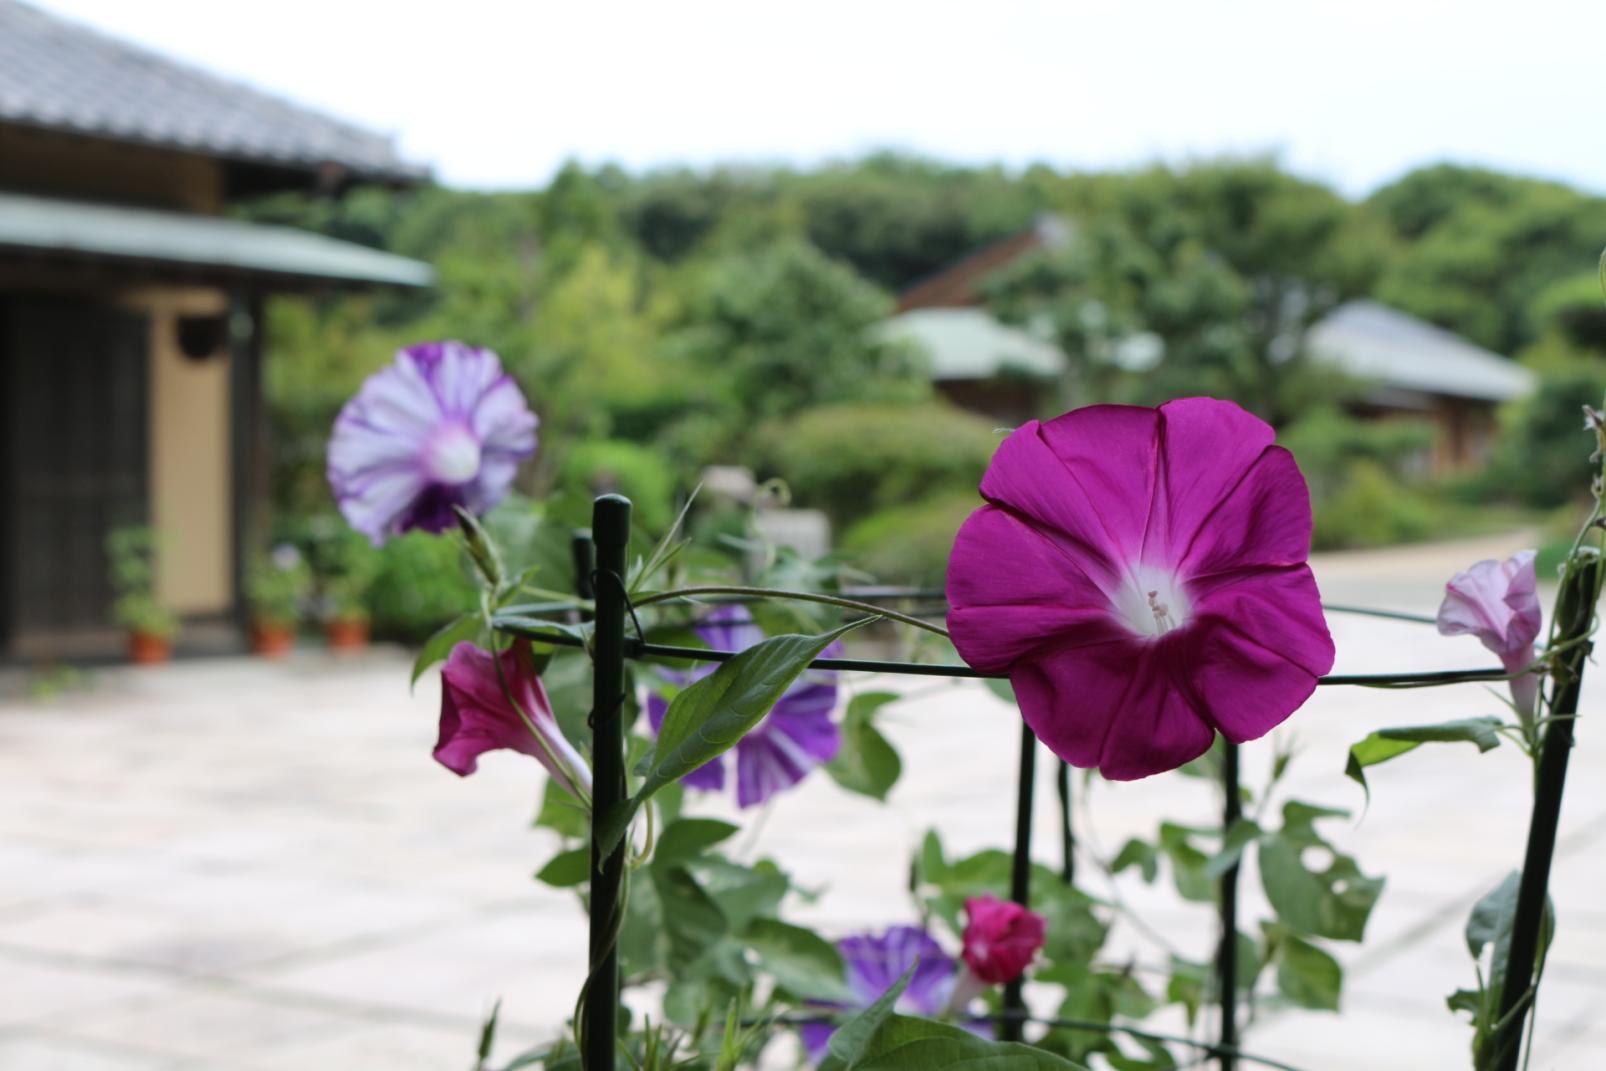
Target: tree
point(787, 328)
point(1485, 247)
point(1225, 264)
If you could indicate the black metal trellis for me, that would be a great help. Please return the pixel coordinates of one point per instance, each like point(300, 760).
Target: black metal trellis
point(603, 583)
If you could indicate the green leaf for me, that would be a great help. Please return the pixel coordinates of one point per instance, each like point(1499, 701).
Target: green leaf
point(709, 716)
point(560, 813)
point(1386, 744)
point(508, 621)
point(459, 630)
point(1241, 834)
point(488, 1034)
point(1334, 901)
point(1188, 985)
point(853, 1038)
point(567, 869)
point(685, 838)
point(692, 920)
point(932, 866)
point(867, 763)
point(1187, 862)
point(1307, 975)
point(802, 962)
point(1492, 916)
point(1156, 1057)
point(1140, 854)
point(907, 1043)
point(742, 893)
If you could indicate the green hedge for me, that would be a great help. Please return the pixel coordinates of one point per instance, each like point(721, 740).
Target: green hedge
point(910, 544)
point(851, 460)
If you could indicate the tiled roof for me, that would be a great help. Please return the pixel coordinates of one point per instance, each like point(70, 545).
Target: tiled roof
point(972, 344)
point(1373, 342)
point(61, 75)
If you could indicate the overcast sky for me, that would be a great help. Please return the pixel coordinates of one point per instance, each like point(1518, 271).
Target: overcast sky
point(498, 93)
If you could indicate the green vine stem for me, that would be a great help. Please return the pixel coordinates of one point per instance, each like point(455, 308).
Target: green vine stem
point(795, 596)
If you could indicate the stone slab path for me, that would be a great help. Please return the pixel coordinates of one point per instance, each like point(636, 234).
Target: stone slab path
point(243, 866)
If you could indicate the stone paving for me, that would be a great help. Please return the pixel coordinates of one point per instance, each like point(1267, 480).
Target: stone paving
point(244, 865)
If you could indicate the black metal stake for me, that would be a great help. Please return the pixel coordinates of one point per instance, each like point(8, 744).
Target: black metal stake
point(584, 552)
point(1575, 611)
point(610, 525)
point(1020, 877)
point(1227, 952)
point(1067, 831)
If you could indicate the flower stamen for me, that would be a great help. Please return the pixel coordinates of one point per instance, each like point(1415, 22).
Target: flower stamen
point(1162, 614)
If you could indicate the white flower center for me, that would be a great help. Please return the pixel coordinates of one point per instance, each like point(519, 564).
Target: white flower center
point(1152, 602)
point(452, 455)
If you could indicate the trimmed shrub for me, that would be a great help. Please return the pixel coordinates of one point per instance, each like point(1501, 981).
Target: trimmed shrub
point(910, 544)
point(852, 459)
point(421, 584)
point(1371, 509)
point(638, 472)
point(1543, 458)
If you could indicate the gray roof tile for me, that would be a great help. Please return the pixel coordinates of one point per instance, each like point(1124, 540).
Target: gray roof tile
point(61, 75)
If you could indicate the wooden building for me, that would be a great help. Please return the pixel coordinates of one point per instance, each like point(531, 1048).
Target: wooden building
point(1402, 366)
point(131, 313)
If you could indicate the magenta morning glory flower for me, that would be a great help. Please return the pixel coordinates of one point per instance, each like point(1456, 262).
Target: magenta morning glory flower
point(875, 963)
point(442, 427)
point(795, 736)
point(1498, 603)
point(1140, 575)
point(478, 715)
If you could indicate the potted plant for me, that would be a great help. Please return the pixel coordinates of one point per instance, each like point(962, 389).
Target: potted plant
point(276, 586)
point(350, 565)
point(131, 552)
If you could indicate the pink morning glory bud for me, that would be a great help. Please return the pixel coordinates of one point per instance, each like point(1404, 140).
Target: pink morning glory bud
point(441, 428)
point(1498, 603)
point(479, 714)
point(1001, 938)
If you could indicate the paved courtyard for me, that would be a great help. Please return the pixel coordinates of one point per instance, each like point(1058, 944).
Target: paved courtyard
point(244, 865)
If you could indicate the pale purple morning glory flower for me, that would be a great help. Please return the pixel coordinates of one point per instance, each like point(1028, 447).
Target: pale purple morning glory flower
point(442, 427)
point(795, 736)
point(1498, 603)
point(875, 963)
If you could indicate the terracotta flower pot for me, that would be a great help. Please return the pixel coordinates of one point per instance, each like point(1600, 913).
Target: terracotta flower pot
point(145, 649)
point(272, 640)
point(346, 635)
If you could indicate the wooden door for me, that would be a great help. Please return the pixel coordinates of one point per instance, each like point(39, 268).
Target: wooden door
point(73, 455)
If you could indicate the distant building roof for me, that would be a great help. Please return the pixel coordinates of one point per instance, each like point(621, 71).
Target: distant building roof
point(1373, 342)
point(1397, 353)
point(57, 74)
point(970, 343)
point(56, 229)
point(958, 283)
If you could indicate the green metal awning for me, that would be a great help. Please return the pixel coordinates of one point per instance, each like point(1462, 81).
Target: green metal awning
point(87, 230)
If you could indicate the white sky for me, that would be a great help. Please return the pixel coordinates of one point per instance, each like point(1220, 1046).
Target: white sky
point(498, 93)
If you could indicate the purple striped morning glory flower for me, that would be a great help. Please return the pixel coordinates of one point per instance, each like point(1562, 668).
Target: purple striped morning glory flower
point(875, 963)
point(442, 427)
point(795, 736)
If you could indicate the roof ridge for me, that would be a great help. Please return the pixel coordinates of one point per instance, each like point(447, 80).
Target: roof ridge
point(131, 91)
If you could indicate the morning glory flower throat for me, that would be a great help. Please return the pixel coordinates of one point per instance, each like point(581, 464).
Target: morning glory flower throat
point(1140, 575)
point(441, 427)
point(795, 736)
